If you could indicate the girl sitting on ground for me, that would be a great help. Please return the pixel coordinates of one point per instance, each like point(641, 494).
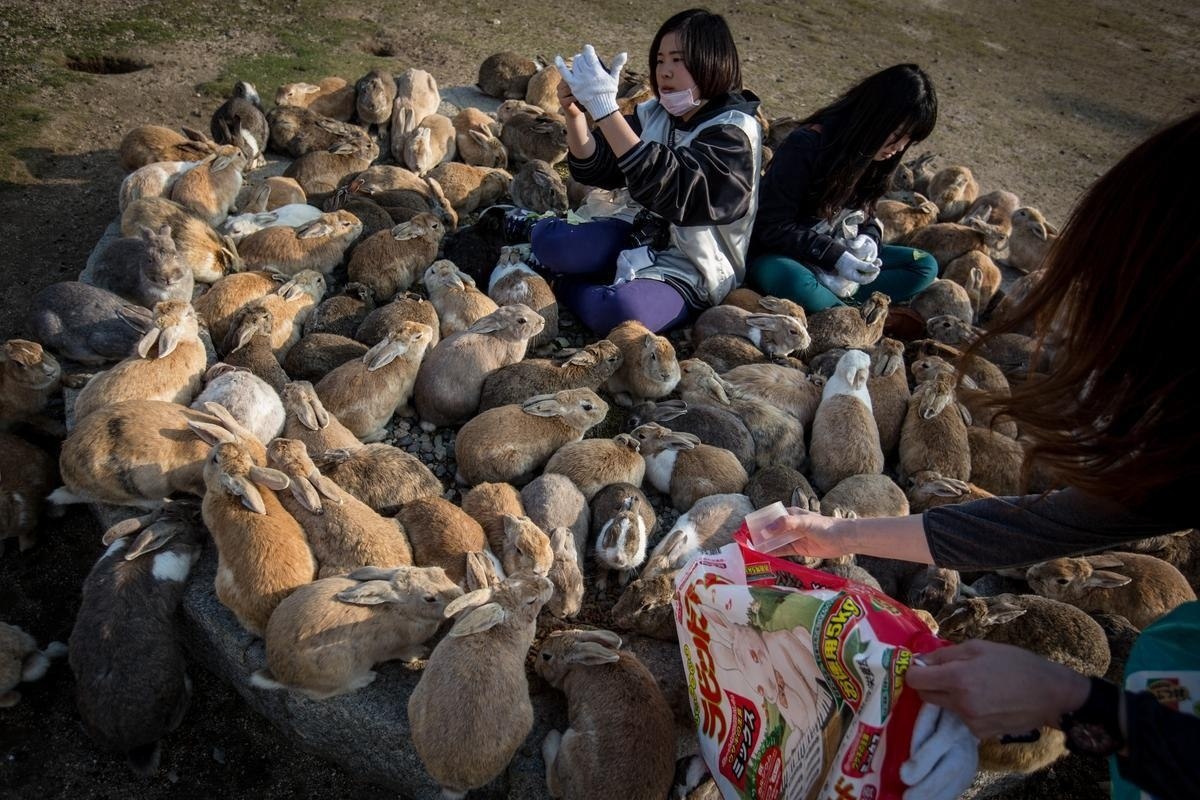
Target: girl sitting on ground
point(816, 240)
point(687, 164)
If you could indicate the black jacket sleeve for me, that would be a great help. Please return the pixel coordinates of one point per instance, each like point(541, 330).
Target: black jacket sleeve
point(709, 181)
point(786, 206)
point(1163, 744)
point(600, 168)
point(1016, 531)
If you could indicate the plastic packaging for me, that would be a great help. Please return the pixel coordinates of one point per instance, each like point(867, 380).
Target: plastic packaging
point(796, 677)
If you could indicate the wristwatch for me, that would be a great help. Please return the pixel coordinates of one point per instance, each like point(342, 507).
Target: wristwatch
point(1095, 726)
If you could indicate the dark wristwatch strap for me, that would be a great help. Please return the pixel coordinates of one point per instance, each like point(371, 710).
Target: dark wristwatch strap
point(1095, 726)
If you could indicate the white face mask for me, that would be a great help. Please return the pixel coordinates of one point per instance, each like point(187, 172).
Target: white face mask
point(679, 103)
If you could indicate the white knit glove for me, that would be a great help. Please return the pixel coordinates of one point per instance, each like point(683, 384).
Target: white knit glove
point(864, 247)
point(593, 85)
point(943, 758)
point(630, 261)
point(852, 268)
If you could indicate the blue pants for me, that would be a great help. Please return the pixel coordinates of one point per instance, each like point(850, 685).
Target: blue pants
point(904, 274)
point(582, 258)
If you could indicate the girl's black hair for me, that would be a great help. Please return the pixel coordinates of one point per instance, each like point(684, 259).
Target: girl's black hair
point(709, 52)
point(859, 123)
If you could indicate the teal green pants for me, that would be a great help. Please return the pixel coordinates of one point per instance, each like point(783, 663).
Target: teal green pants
point(905, 272)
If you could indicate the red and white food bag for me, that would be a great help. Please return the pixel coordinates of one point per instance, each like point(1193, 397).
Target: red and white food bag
point(796, 677)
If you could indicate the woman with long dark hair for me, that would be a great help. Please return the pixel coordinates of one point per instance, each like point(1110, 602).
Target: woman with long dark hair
point(816, 240)
point(1116, 422)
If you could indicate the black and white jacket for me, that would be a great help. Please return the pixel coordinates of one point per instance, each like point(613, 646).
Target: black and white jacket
point(701, 176)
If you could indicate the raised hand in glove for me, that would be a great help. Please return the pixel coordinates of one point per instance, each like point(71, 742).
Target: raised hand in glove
point(853, 268)
point(591, 84)
point(943, 758)
point(863, 247)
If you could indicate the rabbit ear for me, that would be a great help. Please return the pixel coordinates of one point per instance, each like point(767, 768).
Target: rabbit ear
point(327, 488)
point(599, 636)
point(764, 322)
point(220, 163)
point(383, 354)
point(371, 593)
point(480, 572)
point(146, 343)
point(405, 231)
point(1002, 612)
point(306, 413)
point(271, 478)
point(562, 540)
point(468, 600)
point(479, 620)
point(1103, 579)
point(479, 137)
point(584, 358)
point(170, 339)
point(243, 488)
point(315, 230)
point(373, 574)
point(591, 654)
point(681, 441)
point(135, 317)
point(489, 324)
point(543, 406)
point(211, 434)
point(306, 495)
point(151, 539)
point(1104, 561)
point(127, 527)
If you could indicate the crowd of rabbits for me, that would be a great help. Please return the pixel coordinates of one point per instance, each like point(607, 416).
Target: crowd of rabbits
point(262, 337)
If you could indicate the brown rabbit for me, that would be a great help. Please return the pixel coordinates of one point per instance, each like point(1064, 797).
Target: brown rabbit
point(29, 377)
point(516, 383)
point(148, 144)
point(593, 464)
point(513, 281)
point(211, 188)
point(289, 306)
point(468, 188)
point(382, 476)
point(365, 394)
point(210, 255)
point(406, 307)
point(609, 692)
point(441, 535)
point(308, 420)
point(174, 374)
point(318, 245)
point(220, 303)
point(459, 304)
point(390, 261)
point(487, 504)
point(471, 709)
point(511, 443)
point(679, 466)
point(649, 369)
point(263, 554)
point(342, 531)
point(318, 354)
point(450, 380)
point(370, 616)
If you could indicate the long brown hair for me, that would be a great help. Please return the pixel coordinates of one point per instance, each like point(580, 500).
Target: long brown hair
point(1117, 416)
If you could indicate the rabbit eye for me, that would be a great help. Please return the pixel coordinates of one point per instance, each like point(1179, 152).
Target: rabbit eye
point(1062, 581)
point(522, 320)
point(545, 656)
point(430, 598)
point(587, 406)
point(654, 357)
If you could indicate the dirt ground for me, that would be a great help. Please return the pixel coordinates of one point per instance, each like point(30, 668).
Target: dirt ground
point(1038, 98)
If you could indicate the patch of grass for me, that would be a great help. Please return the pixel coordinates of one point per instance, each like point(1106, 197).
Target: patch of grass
point(302, 55)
